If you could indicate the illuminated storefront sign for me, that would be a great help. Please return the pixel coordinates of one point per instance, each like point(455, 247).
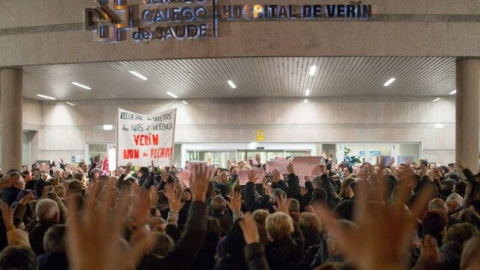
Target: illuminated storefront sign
point(114, 20)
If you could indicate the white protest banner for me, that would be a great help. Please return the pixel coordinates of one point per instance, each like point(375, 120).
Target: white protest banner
point(243, 176)
point(304, 166)
point(279, 164)
point(143, 138)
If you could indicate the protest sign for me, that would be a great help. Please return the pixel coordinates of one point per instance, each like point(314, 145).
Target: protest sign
point(243, 176)
point(143, 138)
point(304, 166)
point(279, 164)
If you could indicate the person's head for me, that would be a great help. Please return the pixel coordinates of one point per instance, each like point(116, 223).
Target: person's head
point(309, 224)
point(460, 188)
point(82, 166)
point(346, 182)
point(319, 195)
point(472, 192)
point(186, 195)
point(163, 244)
point(470, 258)
point(454, 202)
point(74, 187)
point(20, 182)
point(218, 205)
point(18, 257)
point(224, 177)
point(438, 205)
point(142, 172)
point(79, 176)
point(58, 174)
point(451, 166)
point(54, 239)
point(60, 191)
point(434, 224)
point(260, 216)
point(158, 224)
point(279, 225)
point(475, 206)
point(293, 205)
point(47, 211)
point(347, 170)
point(470, 216)
point(277, 193)
point(460, 233)
point(332, 242)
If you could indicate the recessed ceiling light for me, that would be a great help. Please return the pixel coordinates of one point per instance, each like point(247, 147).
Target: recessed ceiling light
point(307, 92)
point(305, 101)
point(312, 70)
point(232, 85)
point(184, 102)
point(453, 92)
point(437, 99)
point(138, 75)
point(82, 85)
point(390, 81)
point(70, 103)
point(46, 97)
point(438, 126)
point(172, 94)
point(107, 127)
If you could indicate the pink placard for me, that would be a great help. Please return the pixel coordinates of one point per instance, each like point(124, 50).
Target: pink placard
point(243, 176)
point(184, 176)
point(279, 165)
point(304, 166)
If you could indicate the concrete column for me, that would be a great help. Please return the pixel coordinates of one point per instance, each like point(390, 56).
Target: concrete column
point(467, 112)
point(11, 113)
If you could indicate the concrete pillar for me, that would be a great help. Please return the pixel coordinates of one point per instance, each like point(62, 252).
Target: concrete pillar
point(467, 112)
point(11, 114)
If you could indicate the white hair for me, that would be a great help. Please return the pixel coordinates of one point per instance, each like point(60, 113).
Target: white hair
point(47, 210)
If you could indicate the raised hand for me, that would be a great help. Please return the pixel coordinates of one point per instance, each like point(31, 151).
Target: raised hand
point(235, 203)
point(249, 229)
point(173, 197)
point(128, 168)
point(430, 254)
point(96, 159)
point(27, 198)
point(374, 245)
point(268, 190)
point(461, 165)
point(200, 180)
point(251, 176)
point(290, 168)
point(282, 204)
point(154, 169)
point(391, 161)
point(94, 234)
point(258, 159)
point(7, 214)
point(276, 176)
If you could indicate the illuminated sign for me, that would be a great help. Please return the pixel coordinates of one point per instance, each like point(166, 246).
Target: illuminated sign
point(109, 20)
point(265, 12)
point(114, 20)
point(176, 19)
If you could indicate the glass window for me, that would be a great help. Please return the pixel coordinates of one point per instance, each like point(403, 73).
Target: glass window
point(271, 155)
point(95, 149)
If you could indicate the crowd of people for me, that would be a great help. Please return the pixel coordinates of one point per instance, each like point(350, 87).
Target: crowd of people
point(412, 215)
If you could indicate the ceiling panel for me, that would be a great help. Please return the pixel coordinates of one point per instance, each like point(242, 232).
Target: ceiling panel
point(266, 77)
